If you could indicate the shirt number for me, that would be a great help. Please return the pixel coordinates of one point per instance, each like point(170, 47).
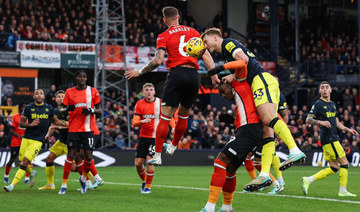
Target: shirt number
point(182, 45)
point(258, 94)
point(91, 142)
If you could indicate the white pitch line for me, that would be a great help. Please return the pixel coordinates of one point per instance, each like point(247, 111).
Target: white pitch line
point(263, 194)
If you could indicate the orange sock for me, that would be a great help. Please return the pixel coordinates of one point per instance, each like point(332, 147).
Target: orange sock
point(250, 168)
point(80, 167)
point(87, 166)
point(217, 180)
point(272, 177)
point(229, 188)
point(141, 174)
point(93, 168)
point(149, 178)
point(161, 132)
point(180, 129)
point(67, 169)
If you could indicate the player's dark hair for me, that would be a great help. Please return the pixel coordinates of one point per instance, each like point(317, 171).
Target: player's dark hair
point(59, 92)
point(212, 31)
point(170, 12)
point(223, 86)
point(325, 82)
point(79, 72)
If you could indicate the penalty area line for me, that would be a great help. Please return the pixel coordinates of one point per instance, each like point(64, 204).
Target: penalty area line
point(238, 192)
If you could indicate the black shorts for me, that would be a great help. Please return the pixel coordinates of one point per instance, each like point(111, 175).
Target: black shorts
point(247, 138)
point(96, 139)
point(14, 151)
point(146, 146)
point(181, 86)
point(258, 151)
point(81, 140)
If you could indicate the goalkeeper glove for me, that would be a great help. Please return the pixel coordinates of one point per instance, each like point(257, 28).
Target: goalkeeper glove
point(87, 111)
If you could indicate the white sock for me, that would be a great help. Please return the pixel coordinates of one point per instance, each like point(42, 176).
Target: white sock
point(210, 207)
point(311, 179)
point(263, 174)
point(51, 185)
point(172, 146)
point(225, 207)
point(83, 178)
point(64, 185)
point(157, 155)
point(27, 178)
point(276, 183)
point(6, 175)
point(342, 189)
point(280, 179)
point(97, 177)
point(88, 183)
point(295, 150)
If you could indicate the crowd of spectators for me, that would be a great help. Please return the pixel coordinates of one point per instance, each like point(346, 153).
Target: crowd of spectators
point(53, 20)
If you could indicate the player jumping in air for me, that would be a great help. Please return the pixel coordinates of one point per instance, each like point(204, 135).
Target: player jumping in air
point(266, 95)
point(182, 82)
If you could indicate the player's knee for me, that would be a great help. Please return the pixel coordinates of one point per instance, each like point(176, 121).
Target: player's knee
point(49, 160)
point(334, 169)
point(345, 166)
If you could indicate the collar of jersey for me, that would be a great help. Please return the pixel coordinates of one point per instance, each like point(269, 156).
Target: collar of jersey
point(324, 100)
point(38, 104)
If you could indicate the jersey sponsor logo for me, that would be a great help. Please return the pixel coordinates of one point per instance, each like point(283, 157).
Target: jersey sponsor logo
point(81, 105)
point(230, 46)
point(39, 116)
point(179, 30)
point(325, 107)
point(330, 114)
point(151, 116)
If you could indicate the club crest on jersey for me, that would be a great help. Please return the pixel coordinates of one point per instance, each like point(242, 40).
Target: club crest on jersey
point(81, 105)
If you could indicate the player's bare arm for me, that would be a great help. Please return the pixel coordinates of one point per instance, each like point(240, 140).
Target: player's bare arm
point(152, 64)
point(209, 63)
point(310, 120)
point(341, 127)
point(23, 123)
point(51, 131)
point(12, 131)
point(58, 122)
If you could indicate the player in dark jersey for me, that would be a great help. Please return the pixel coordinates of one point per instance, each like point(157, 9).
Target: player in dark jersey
point(323, 114)
point(38, 114)
point(59, 148)
point(182, 82)
point(266, 96)
point(82, 102)
point(248, 136)
point(17, 133)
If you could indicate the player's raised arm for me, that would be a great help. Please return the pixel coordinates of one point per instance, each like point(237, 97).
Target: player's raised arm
point(152, 64)
point(209, 63)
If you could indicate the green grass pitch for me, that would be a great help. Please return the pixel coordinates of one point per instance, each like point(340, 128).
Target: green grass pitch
point(178, 189)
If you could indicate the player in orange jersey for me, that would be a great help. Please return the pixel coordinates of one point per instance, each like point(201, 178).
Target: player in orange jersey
point(147, 115)
point(182, 82)
point(17, 133)
point(82, 102)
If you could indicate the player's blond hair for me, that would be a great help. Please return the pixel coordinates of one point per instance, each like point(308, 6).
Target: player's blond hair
point(148, 84)
point(212, 31)
point(170, 12)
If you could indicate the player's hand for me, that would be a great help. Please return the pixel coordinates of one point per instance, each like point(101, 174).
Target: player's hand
point(228, 78)
point(325, 124)
point(47, 137)
point(226, 118)
point(292, 129)
point(145, 121)
point(216, 70)
point(131, 74)
point(70, 108)
point(215, 81)
point(87, 111)
point(35, 123)
point(353, 132)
